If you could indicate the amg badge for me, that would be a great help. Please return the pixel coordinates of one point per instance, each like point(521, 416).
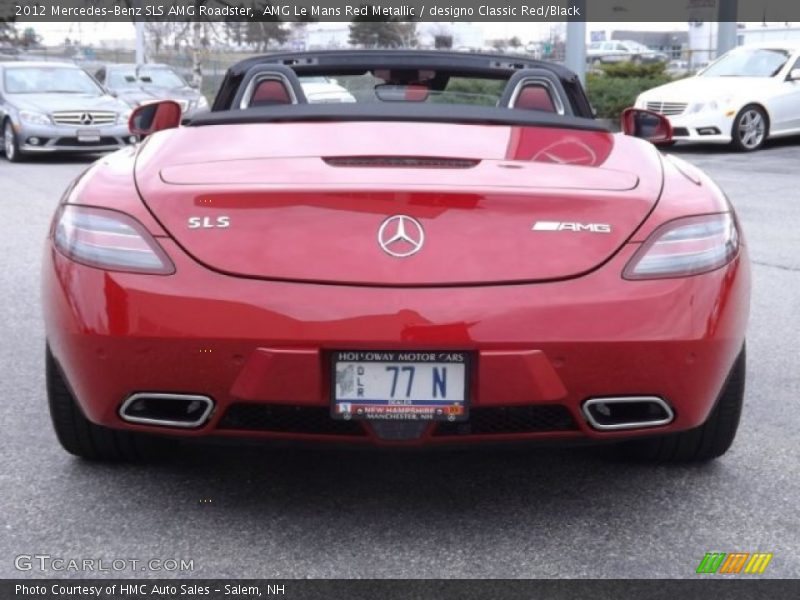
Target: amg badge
point(568, 226)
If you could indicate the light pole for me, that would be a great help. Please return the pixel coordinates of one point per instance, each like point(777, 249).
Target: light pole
point(575, 55)
point(139, 25)
point(727, 26)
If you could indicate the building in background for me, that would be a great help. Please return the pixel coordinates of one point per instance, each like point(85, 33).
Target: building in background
point(702, 44)
point(327, 36)
point(770, 32)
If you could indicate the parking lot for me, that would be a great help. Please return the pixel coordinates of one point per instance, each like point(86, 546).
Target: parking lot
point(521, 511)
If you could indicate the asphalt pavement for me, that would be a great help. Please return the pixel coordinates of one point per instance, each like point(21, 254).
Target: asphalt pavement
point(522, 511)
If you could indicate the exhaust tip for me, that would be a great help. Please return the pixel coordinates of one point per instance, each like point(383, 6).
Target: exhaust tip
point(627, 412)
point(167, 410)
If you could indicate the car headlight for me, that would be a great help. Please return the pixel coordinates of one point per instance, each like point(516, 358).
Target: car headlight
point(701, 106)
point(34, 118)
point(717, 104)
point(686, 246)
point(202, 103)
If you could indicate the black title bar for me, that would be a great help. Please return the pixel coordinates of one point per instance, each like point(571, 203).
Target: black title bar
point(389, 589)
point(542, 11)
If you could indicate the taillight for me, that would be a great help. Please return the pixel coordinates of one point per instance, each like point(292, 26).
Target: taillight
point(109, 240)
point(686, 246)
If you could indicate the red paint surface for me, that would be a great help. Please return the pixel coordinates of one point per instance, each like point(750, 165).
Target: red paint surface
point(259, 340)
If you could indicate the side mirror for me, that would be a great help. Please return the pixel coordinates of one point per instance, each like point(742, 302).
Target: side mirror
point(646, 124)
point(794, 75)
point(156, 116)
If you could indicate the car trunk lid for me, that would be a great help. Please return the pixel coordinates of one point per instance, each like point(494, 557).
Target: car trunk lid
point(444, 205)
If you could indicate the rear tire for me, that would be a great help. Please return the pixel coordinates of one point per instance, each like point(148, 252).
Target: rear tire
point(81, 437)
point(709, 441)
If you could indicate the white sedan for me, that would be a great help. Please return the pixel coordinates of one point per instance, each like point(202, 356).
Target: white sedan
point(746, 96)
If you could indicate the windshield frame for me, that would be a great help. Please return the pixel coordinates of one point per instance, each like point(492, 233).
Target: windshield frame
point(100, 91)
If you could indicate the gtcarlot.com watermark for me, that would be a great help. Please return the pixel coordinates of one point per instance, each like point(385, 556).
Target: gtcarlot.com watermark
point(47, 563)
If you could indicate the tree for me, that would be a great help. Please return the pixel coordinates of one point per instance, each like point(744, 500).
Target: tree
point(443, 42)
point(159, 34)
point(261, 33)
point(8, 33)
point(374, 31)
point(514, 42)
point(236, 32)
point(268, 28)
point(30, 38)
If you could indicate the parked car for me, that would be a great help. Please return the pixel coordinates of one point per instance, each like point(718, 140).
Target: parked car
point(677, 68)
point(8, 52)
point(56, 107)
point(320, 90)
point(138, 84)
point(598, 53)
point(641, 54)
point(415, 271)
point(747, 96)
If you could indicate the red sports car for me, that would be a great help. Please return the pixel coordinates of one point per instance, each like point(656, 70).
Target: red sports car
point(461, 255)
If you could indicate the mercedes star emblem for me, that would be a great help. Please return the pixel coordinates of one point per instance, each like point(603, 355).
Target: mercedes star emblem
point(86, 119)
point(401, 236)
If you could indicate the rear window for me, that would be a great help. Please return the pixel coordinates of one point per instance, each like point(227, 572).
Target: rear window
point(424, 87)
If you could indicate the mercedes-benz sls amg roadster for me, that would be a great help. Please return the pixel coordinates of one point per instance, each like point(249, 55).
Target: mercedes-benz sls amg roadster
point(462, 255)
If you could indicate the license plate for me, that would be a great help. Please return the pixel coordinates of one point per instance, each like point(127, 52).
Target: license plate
point(413, 386)
point(88, 135)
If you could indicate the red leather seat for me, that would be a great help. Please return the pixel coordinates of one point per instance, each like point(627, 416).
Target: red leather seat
point(535, 97)
point(269, 92)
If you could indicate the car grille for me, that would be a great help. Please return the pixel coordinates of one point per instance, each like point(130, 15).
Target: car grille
point(84, 118)
point(510, 419)
point(667, 108)
point(315, 420)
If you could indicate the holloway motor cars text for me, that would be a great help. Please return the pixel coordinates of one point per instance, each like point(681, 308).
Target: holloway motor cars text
point(149, 589)
point(422, 11)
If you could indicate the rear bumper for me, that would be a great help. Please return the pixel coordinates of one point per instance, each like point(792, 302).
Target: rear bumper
point(261, 350)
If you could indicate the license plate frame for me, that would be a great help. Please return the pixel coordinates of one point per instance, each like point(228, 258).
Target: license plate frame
point(88, 135)
point(449, 409)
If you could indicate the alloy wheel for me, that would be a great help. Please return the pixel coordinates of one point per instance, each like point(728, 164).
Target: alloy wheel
point(751, 128)
point(8, 141)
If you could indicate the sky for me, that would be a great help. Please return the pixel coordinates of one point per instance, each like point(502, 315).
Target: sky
point(94, 33)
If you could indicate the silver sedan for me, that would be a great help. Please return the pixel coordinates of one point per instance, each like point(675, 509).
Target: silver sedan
point(55, 107)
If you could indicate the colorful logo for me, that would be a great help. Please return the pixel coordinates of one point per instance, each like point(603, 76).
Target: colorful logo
point(734, 563)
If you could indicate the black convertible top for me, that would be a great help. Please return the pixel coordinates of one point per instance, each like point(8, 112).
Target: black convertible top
point(425, 113)
point(456, 64)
